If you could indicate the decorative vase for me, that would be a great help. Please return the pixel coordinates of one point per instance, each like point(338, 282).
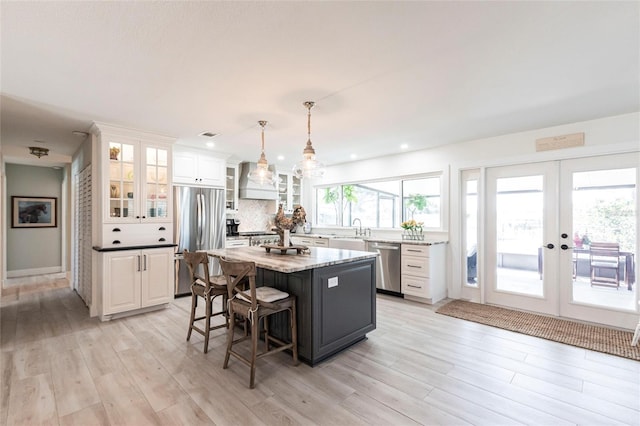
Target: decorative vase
point(113, 153)
point(413, 234)
point(115, 191)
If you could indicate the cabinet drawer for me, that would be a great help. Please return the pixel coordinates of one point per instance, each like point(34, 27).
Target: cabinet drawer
point(413, 286)
point(124, 235)
point(415, 250)
point(310, 242)
point(417, 266)
point(237, 243)
point(321, 243)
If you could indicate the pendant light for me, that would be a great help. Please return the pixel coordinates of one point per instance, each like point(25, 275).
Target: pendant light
point(309, 167)
point(261, 174)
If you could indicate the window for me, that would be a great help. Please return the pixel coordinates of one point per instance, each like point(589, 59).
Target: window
point(381, 204)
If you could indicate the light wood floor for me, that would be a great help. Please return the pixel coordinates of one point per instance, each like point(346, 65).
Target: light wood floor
point(60, 367)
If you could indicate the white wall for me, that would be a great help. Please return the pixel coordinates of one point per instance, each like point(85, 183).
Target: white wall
point(32, 251)
point(602, 136)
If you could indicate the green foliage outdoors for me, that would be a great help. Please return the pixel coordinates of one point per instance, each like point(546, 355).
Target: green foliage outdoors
point(608, 221)
point(332, 196)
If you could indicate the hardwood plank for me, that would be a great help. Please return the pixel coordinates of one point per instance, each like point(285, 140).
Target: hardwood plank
point(6, 371)
point(32, 401)
point(613, 411)
point(94, 415)
point(417, 366)
point(372, 412)
point(411, 409)
point(186, 412)
point(158, 387)
point(517, 402)
point(123, 401)
point(72, 382)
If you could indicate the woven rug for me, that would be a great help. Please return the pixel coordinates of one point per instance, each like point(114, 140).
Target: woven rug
point(595, 338)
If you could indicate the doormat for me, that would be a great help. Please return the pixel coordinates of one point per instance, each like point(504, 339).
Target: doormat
point(595, 338)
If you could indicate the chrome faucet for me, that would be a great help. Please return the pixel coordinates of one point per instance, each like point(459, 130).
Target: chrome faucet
point(359, 230)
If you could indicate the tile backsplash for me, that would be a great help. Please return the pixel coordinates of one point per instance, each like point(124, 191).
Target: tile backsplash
point(255, 215)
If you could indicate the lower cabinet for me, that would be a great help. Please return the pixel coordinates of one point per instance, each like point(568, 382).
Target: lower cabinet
point(136, 279)
point(310, 241)
point(422, 272)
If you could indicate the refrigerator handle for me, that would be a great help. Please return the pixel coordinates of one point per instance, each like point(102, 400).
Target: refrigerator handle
point(199, 221)
point(203, 221)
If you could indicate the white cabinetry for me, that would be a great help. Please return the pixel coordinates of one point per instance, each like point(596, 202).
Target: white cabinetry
point(193, 167)
point(289, 192)
point(236, 242)
point(136, 279)
point(422, 272)
point(134, 185)
point(310, 241)
point(232, 188)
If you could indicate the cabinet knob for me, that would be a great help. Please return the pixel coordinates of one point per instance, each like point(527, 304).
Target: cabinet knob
point(116, 230)
point(116, 242)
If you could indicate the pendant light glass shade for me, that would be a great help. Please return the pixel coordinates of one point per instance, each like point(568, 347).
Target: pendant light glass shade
point(261, 174)
point(309, 167)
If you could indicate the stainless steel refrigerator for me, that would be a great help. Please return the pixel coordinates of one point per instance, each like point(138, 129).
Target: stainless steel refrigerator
point(199, 224)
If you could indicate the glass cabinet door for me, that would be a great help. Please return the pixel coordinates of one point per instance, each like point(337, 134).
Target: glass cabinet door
point(157, 182)
point(121, 180)
point(296, 191)
point(283, 185)
point(231, 188)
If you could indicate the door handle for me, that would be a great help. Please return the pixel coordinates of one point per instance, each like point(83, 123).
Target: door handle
point(550, 246)
point(565, 247)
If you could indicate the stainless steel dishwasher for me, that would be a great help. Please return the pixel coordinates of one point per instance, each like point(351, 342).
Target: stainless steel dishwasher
point(387, 265)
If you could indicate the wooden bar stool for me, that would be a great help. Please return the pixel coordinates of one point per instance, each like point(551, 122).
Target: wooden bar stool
point(255, 304)
point(207, 287)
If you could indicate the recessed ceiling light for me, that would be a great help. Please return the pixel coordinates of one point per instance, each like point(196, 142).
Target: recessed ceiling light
point(404, 146)
point(354, 156)
point(208, 134)
point(280, 157)
point(211, 144)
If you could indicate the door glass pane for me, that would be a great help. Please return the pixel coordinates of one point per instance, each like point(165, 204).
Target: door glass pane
point(519, 234)
point(471, 230)
point(604, 211)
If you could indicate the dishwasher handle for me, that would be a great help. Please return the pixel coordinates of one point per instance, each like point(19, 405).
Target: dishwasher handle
point(386, 247)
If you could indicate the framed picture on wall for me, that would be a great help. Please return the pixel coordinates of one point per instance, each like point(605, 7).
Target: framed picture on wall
point(33, 212)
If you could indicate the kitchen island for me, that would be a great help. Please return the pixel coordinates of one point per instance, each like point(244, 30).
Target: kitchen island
point(335, 291)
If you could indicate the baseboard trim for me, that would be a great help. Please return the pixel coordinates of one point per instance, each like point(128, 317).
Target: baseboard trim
point(35, 271)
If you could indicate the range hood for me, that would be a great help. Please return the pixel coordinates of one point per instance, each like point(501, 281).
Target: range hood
point(252, 190)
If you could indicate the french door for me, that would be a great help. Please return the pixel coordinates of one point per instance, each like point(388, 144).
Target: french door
point(541, 221)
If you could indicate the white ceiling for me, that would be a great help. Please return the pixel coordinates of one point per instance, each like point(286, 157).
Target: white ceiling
point(382, 73)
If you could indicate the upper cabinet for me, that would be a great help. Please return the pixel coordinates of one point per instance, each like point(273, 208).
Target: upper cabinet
point(289, 191)
point(139, 184)
point(193, 167)
point(232, 188)
point(134, 185)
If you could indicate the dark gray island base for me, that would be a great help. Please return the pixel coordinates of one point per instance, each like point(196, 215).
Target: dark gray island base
point(335, 291)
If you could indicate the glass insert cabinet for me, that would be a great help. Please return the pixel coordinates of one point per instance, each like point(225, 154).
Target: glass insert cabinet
point(138, 182)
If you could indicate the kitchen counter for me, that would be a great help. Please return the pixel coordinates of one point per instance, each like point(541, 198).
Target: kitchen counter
point(425, 242)
point(287, 263)
point(335, 294)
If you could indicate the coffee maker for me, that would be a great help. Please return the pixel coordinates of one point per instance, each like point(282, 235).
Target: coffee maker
point(232, 227)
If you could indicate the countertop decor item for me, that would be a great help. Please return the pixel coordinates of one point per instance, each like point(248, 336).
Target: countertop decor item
point(284, 223)
point(412, 230)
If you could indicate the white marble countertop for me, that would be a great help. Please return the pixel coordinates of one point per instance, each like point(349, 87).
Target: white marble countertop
point(425, 242)
point(291, 262)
